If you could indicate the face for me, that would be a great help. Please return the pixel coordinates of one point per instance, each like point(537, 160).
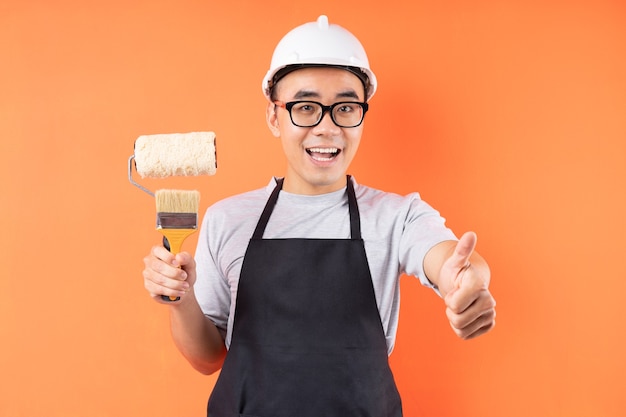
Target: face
point(318, 157)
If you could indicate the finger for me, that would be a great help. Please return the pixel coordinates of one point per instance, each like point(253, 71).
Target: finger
point(163, 254)
point(481, 328)
point(158, 284)
point(481, 303)
point(167, 268)
point(463, 250)
point(478, 319)
point(184, 259)
point(157, 289)
point(481, 325)
point(470, 287)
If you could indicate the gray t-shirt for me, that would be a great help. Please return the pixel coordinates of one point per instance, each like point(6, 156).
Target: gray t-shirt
point(397, 230)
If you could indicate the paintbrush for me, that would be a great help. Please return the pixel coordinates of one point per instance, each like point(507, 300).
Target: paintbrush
point(177, 218)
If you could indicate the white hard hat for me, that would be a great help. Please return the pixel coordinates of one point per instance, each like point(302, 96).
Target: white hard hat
point(319, 43)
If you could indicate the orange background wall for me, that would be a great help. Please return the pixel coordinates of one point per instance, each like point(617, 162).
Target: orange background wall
point(509, 117)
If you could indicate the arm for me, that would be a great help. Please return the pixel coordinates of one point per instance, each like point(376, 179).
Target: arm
point(462, 277)
point(197, 338)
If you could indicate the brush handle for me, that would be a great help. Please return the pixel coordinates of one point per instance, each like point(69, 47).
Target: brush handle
point(166, 245)
point(173, 241)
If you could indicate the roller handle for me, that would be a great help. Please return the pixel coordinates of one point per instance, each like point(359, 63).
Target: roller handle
point(169, 299)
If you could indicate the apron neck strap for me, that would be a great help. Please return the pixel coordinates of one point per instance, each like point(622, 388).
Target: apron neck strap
point(355, 219)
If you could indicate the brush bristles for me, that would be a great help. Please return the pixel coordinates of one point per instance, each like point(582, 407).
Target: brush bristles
point(177, 201)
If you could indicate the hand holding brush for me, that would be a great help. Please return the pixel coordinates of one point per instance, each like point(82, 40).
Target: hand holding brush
point(177, 218)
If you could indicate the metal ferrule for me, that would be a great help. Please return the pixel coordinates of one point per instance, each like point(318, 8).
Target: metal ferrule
point(167, 220)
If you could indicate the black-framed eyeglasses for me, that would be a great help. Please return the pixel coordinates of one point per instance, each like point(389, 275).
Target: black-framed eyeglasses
point(310, 113)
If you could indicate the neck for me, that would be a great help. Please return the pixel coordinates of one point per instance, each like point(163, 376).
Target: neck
point(305, 188)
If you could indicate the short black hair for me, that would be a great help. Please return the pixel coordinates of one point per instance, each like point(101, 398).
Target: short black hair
point(290, 68)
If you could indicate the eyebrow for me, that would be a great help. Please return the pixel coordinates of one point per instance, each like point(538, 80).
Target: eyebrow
point(313, 94)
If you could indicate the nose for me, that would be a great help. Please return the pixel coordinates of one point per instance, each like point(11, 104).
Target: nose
point(327, 124)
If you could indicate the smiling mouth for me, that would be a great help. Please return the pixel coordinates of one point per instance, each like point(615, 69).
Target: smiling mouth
point(323, 154)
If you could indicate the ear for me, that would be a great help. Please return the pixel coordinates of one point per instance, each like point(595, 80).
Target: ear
point(271, 117)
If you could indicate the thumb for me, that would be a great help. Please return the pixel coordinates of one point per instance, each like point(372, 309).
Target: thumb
point(464, 249)
point(183, 258)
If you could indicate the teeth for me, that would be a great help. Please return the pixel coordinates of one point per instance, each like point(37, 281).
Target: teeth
point(323, 150)
point(319, 154)
point(318, 158)
point(316, 153)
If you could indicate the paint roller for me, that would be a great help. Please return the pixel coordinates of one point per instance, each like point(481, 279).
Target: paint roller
point(167, 155)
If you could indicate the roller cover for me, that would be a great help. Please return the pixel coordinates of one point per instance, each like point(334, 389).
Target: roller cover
point(175, 154)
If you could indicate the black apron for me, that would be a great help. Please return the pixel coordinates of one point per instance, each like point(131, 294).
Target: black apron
point(307, 339)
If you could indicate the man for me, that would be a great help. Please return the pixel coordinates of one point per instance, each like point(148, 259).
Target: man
point(294, 289)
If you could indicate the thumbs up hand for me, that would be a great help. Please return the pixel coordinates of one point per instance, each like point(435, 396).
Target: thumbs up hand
point(464, 283)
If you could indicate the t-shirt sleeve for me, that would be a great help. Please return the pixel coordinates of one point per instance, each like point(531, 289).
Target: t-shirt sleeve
point(424, 228)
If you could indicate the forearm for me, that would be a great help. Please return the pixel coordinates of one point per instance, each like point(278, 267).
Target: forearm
point(197, 338)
